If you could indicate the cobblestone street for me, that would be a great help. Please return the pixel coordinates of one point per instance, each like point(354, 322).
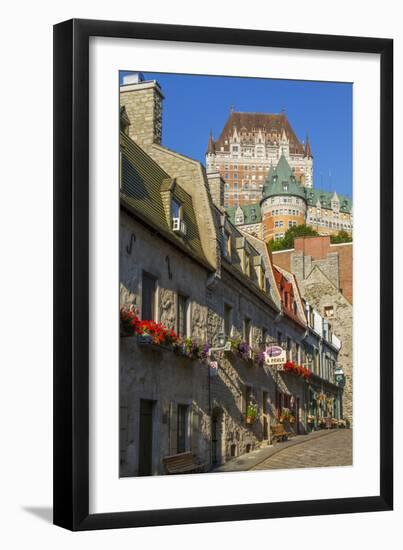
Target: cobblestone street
point(333, 449)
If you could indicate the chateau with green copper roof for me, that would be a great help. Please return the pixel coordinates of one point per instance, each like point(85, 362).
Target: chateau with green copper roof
point(281, 181)
point(291, 204)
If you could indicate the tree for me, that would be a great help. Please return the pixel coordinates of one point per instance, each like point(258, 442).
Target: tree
point(290, 235)
point(341, 237)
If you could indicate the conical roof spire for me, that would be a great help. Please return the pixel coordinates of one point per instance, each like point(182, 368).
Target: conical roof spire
point(211, 144)
point(308, 152)
point(281, 181)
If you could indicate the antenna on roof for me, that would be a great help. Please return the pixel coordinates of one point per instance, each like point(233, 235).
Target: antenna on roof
point(231, 108)
point(283, 110)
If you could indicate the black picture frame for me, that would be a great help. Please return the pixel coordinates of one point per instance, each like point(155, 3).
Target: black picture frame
point(71, 274)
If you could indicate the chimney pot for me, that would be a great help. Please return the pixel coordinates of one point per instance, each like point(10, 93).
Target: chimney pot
point(133, 78)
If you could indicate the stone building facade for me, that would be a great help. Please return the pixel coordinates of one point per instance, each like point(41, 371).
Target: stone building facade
point(325, 277)
point(335, 260)
point(184, 265)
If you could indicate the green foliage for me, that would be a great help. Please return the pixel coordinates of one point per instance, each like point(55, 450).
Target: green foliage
point(341, 237)
point(290, 235)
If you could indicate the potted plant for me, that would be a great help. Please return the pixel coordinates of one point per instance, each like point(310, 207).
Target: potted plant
point(285, 414)
point(251, 413)
point(322, 423)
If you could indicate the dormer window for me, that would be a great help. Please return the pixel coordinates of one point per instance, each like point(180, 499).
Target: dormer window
point(239, 216)
point(227, 244)
point(178, 223)
point(285, 186)
point(247, 264)
point(176, 209)
point(263, 280)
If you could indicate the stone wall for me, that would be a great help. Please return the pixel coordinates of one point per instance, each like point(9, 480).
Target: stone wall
point(160, 259)
point(320, 292)
point(236, 376)
point(335, 260)
point(168, 381)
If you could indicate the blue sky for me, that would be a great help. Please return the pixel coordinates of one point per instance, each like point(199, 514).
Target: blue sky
point(195, 104)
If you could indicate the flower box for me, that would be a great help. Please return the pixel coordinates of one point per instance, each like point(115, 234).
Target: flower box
point(144, 339)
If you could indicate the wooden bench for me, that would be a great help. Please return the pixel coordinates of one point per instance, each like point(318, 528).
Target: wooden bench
point(278, 433)
point(181, 463)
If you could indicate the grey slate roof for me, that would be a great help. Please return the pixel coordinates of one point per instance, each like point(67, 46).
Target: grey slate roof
point(143, 184)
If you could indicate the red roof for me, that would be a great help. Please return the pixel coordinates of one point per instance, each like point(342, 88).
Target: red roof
point(308, 152)
point(286, 287)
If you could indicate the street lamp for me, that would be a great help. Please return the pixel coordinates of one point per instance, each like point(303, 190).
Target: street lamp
point(339, 376)
point(340, 381)
point(223, 345)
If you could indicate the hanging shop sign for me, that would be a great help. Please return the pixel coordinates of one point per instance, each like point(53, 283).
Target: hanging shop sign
point(275, 355)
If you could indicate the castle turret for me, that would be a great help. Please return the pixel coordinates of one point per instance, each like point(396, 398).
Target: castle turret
point(283, 203)
point(308, 160)
point(210, 155)
point(335, 203)
point(284, 144)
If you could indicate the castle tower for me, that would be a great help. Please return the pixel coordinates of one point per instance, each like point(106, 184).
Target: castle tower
point(284, 145)
point(308, 160)
point(210, 155)
point(283, 204)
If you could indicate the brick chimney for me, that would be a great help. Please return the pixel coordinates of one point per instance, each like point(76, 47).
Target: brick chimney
point(317, 247)
point(142, 100)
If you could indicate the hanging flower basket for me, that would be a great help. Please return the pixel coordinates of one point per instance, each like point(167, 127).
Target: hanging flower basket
point(251, 413)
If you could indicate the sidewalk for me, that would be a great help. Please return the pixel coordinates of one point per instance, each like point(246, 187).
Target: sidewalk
point(250, 460)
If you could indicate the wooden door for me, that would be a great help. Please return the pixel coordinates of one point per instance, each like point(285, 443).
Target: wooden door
point(145, 437)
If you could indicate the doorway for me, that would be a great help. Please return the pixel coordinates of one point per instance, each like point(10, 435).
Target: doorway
point(217, 437)
point(145, 437)
point(297, 416)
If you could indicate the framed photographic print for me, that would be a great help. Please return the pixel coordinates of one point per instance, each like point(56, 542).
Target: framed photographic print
point(223, 297)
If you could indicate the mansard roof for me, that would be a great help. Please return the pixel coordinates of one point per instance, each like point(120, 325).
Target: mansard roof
point(281, 181)
point(143, 188)
point(313, 196)
point(270, 125)
point(251, 213)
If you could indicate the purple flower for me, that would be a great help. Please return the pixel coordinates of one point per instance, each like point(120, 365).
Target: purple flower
point(205, 351)
point(244, 348)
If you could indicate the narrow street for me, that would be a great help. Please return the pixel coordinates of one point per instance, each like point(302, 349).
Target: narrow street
point(334, 449)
